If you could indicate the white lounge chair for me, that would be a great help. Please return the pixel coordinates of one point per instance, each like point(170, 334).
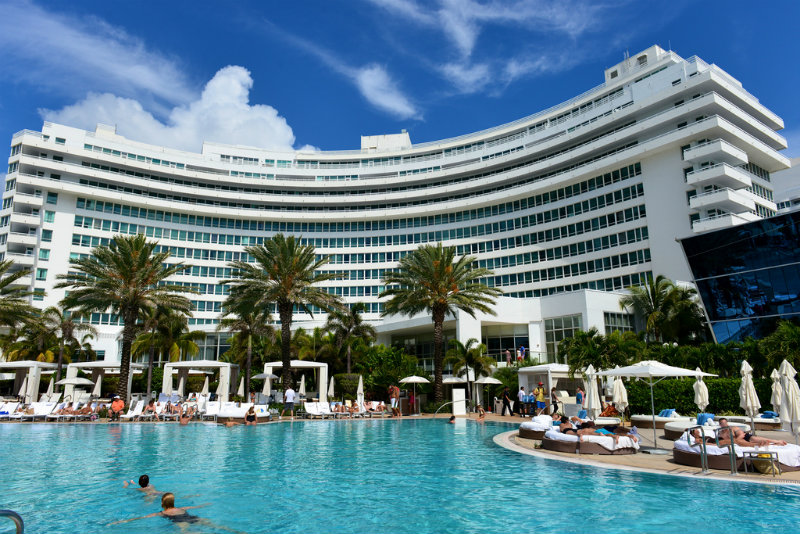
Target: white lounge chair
point(312, 410)
point(54, 416)
point(212, 410)
point(133, 411)
point(8, 410)
point(40, 410)
point(325, 409)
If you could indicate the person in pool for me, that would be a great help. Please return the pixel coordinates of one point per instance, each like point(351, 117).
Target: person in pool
point(250, 418)
point(177, 515)
point(144, 487)
point(452, 420)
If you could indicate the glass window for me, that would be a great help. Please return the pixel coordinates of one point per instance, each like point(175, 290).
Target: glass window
point(41, 274)
point(49, 216)
point(44, 254)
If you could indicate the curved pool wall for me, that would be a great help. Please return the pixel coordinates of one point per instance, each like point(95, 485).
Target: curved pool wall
point(410, 476)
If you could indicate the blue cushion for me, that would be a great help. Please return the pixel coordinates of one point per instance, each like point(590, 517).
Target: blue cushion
point(670, 412)
point(703, 417)
point(582, 414)
point(602, 431)
point(662, 412)
point(769, 415)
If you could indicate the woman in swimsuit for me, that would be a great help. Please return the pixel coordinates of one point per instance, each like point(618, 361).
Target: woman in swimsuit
point(171, 512)
point(250, 418)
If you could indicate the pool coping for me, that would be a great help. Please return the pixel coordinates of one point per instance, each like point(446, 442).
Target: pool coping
point(504, 440)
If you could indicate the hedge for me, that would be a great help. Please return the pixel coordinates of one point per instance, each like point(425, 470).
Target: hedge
point(723, 395)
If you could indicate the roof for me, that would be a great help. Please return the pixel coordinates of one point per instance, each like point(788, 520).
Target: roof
point(102, 364)
point(27, 364)
point(543, 369)
point(296, 364)
point(200, 364)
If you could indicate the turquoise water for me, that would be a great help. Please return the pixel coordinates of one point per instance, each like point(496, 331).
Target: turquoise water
point(409, 476)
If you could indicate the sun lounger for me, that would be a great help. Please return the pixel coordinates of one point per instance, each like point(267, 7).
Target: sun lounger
point(233, 410)
point(60, 406)
point(325, 410)
point(312, 410)
point(40, 411)
point(8, 409)
point(646, 421)
point(134, 411)
point(555, 440)
point(212, 410)
point(687, 452)
point(536, 427)
point(262, 412)
point(372, 409)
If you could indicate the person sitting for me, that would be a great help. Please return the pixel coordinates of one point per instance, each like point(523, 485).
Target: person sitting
point(87, 409)
point(338, 407)
point(149, 409)
point(353, 409)
point(742, 438)
point(698, 437)
point(117, 405)
point(610, 411)
point(250, 418)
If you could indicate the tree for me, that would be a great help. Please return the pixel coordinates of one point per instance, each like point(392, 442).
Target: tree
point(284, 272)
point(248, 323)
point(432, 280)
point(583, 349)
point(14, 305)
point(469, 355)
point(783, 344)
point(383, 366)
point(685, 321)
point(651, 302)
point(348, 327)
point(35, 340)
point(126, 278)
point(65, 324)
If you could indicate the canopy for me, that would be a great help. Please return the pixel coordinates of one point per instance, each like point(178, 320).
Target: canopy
point(413, 379)
point(748, 398)
point(650, 370)
point(790, 399)
point(302, 364)
point(98, 369)
point(454, 380)
point(592, 405)
point(228, 373)
point(29, 374)
point(700, 393)
point(549, 374)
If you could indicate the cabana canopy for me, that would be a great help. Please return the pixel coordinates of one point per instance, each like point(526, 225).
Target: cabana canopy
point(549, 374)
point(31, 369)
point(98, 370)
point(228, 373)
point(300, 364)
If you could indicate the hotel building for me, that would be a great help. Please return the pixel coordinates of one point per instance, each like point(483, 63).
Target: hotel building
point(568, 206)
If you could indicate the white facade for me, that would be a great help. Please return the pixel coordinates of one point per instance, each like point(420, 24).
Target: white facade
point(572, 203)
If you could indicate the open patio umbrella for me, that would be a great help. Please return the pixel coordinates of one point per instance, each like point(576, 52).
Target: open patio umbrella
point(700, 393)
point(240, 391)
point(654, 372)
point(790, 400)
point(748, 398)
point(360, 392)
point(204, 391)
point(592, 405)
point(620, 395)
point(75, 381)
point(484, 381)
point(777, 391)
point(301, 391)
point(413, 379)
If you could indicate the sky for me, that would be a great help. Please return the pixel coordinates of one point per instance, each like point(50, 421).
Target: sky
point(318, 74)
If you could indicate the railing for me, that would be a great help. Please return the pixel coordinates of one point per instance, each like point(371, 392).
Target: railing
point(703, 451)
point(16, 518)
point(731, 448)
point(719, 216)
point(715, 191)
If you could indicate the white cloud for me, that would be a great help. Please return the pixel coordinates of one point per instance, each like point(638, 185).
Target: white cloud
point(222, 114)
point(72, 56)
point(468, 78)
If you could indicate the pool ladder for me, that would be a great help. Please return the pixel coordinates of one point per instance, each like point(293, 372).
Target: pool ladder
point(703, 452)
point(15, 517)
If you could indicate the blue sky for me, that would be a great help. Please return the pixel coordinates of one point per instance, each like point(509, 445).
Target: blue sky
point(322, 73)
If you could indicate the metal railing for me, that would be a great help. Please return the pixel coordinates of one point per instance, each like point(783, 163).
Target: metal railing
point(703, 451)
point(16, 518)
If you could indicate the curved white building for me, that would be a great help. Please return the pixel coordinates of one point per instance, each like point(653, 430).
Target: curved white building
point(567, 206)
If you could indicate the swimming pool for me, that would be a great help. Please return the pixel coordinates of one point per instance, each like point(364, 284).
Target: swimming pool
point(388, 476)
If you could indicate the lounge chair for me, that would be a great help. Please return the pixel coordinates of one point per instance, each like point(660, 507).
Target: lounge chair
point(555, 440)
point(325, 409)
point(8, 409)
point(312, 410)
point(133, 411)
point(40, 410)
point(54, 416)
point(212, 410)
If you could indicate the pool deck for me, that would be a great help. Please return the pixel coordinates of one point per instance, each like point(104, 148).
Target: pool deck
point(650, 463)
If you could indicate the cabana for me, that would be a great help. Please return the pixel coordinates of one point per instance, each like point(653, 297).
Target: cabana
point(552, 375)
point(98, 370)
point(28, 372)
point(228, 373)
point(300, 364)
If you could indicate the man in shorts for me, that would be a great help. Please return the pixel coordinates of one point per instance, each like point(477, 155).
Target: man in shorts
point(288, 401)
point(394, 399)
point(539, 393)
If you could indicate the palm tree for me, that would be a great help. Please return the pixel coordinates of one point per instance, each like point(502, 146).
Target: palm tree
point(248, 322)
point(348, 327)
point(150, 321)
point(685, 320)
point(125, 277)
point(432, 280)
point(469, 355)
point(583, 349)
point(652, 302)
point(284, 272)
point(14, 305)
point(66, 325)
point(35, 340)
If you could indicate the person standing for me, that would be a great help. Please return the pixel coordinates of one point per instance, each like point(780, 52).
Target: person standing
point(507, 402)
point(394, 399)
point(539, 394)
point(288, 401)
point(520, 400)
point(522, 351)
point(579, 396)
point(508, 357)
point(554, 400)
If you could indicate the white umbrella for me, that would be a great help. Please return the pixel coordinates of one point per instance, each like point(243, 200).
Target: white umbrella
point(777, 391)
point(330, 387)
point(651, 370)
point(97, 386)
point(76, 381)
point(49, 388)
point(453, 380)
point(748, 398)
point(700, 393)
point(360, 392)
point(790, 400)
point(413, 379)
point(204, 391)
point(620, 395)
point(301, 391)
point(487, 380)
point(592, 406)
point(240, 391)
point(181, 384)
point(23, 391)
point(220, 389)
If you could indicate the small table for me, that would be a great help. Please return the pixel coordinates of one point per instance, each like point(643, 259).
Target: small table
point(751, 456)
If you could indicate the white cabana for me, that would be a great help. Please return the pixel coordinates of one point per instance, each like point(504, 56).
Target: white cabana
point(653, 372)
point(302, 364)
point(592, 405)
point(748, 398)
point(777, 391)
point(790, 399)
point(700, 393)
point(552, 375)
point(29, 374)
point(228, 373)
point(98, 370)
point(483, 381)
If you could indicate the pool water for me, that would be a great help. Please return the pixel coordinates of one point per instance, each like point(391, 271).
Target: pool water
point(387, 476)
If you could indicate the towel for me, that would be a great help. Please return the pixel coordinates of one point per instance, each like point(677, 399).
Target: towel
point(766, 415)
point(582, 414)
point(702, 418)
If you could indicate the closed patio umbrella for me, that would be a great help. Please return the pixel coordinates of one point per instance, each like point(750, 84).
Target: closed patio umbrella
point(330, 388)
point(700, 392)
point(23, 390)
point(360, 392)
point(49, 388)
point(620, 395)
point(240, 391)
point(204, 391)
point(777, 391)
point(748, 399)
point(268, 378)
point(98, 385)
point(301, 391)
point(790, 400)
point(592, 405)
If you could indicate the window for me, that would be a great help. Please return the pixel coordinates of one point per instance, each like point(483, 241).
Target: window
point(49, 216)
point(642, 60)
point(558, 329)
point(8, 202)
point(44, 254)
point(38, 294)
point(52, 198)
point(60, 140)
point(621, 322)
point(41, 274)
point(614, 74)
point(47, 235)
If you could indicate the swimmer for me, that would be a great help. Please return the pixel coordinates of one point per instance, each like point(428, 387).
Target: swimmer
point(144, 486)
point(250, 418)
point(186, 416)
point(230, 422)
point(178, 515)
point(452, 420)
point(481, 414)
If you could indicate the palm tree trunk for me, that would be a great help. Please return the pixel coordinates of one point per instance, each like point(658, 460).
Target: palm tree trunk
point(348, 359)
point(438, 356)
point(247, 368)
point(128, 334)
point(285, 314)
point(60, 360)
point(150, 359)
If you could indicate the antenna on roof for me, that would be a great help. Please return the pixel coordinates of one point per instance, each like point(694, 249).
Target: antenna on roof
point(669, 45)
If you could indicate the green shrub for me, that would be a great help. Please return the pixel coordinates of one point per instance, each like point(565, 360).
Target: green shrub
point(723, 395)
point(431, 407)
point(346, 385)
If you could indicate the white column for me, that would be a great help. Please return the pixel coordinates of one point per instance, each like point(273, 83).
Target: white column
point(69, 391)
point(323, 380)
point(467, 327)
point(537, 346)
point(34, 376)
point(459, 401)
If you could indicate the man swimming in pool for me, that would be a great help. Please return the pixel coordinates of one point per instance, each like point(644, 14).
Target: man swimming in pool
point(145, 487)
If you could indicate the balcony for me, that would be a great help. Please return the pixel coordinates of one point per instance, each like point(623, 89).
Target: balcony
point(722, 221)
point(722, 175)
point(28, 200)
point(719, 151)
point(723, 199)
point(25, 281)
point(20, 238)
point(25, 218)
point(23, 260)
